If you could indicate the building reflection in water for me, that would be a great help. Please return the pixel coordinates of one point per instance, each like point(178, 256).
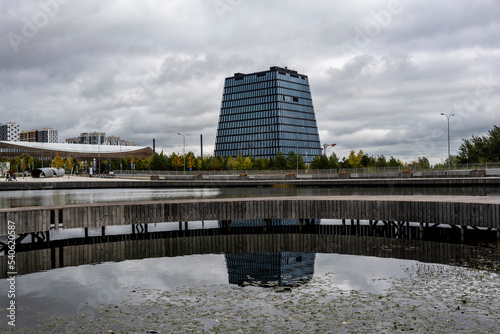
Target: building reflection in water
point(266, 254)
point(269, 269)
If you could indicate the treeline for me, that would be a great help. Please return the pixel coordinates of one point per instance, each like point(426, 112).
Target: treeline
point(480, 149)
point(176, 162)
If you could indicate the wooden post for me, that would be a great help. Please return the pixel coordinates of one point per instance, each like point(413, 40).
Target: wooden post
point(463, 231)
point(86, 229)
point(399, 231)
point(422, 231)
point(103, 229)
point(343, 226)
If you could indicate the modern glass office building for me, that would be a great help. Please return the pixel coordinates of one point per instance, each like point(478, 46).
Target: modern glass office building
point(267, 112)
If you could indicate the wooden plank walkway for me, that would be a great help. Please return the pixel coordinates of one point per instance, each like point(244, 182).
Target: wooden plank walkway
point(475, 211)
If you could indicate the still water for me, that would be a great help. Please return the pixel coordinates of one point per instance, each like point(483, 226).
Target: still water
point(210, 278)
point(221, 280)
point(13, 199)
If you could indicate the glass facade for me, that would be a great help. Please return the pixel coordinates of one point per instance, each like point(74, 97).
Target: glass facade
point(265, 113)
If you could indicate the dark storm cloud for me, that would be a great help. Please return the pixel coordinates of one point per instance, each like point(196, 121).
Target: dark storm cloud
point(380, 72)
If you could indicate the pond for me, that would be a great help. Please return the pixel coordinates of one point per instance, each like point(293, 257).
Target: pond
point(249, 277)
point(215, 280)
point(13, 199)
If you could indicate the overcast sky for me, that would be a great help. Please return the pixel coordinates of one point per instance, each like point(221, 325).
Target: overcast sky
point(381, 72)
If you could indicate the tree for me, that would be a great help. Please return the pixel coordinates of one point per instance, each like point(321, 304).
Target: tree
point(77, 164)
point(333, 161)
point(279, 162)
point(58, 162)
point(355, 159)
point(320, 162)
point(68, 162)
point(177, 161)
point(421, 162)
point(190, 161)
point(24, 161)
point(230, 162)
point(238, 163)
point(381, 161)
point(247, 164)
point(262, 163)
point(393, 162)
point(158, 162)
point(212, 163)
point(481, 149)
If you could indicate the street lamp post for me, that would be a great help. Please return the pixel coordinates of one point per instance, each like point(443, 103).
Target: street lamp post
point(121, 166)
point(183, 148)
point(448, 119)
point(99, 147)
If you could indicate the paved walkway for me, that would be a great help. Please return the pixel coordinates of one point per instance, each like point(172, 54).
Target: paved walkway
point(76, 178)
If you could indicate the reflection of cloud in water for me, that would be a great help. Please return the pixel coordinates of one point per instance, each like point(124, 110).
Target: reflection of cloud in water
point(75, 284)
point(351, 272)
point(13, 199)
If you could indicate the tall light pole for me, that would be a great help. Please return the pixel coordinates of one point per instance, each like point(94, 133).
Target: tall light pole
point(121, 166)
point(448, 118)
point(183, 147)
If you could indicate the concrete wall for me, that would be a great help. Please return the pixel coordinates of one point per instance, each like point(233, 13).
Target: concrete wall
point(192, 182)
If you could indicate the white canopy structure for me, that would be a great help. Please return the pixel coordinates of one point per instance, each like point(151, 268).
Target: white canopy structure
point(47, 172)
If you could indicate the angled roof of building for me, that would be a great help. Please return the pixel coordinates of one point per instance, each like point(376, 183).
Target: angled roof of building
point(75, 150)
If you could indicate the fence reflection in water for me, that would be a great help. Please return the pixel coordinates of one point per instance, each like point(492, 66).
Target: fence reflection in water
point(297, 239)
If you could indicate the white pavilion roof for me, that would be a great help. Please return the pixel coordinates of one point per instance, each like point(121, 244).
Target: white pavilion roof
point(79, 148)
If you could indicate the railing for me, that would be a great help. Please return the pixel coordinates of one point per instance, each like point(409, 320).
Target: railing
point(463, 170)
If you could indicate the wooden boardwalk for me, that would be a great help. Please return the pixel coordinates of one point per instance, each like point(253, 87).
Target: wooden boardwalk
point(475, 211)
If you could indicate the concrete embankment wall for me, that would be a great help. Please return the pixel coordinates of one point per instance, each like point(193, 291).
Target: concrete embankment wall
point(332, 183)
point(470, 211)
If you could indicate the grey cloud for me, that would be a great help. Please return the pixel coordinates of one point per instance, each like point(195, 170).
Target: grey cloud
point(150, 69)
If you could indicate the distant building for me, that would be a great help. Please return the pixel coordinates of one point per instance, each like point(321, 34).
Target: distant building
point(29, 136)
point(45, 135)
point(48, 135)
point(265, 113)
point(89, 138)
point(82, 152)
point(9, 132)
point(98, 138)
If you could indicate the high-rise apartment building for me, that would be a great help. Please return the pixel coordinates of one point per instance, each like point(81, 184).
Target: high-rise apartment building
point(48, 135)
point(9, 131)
point(98, 138)
point(265, 113)
point(29, 136)
point(92, 138)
